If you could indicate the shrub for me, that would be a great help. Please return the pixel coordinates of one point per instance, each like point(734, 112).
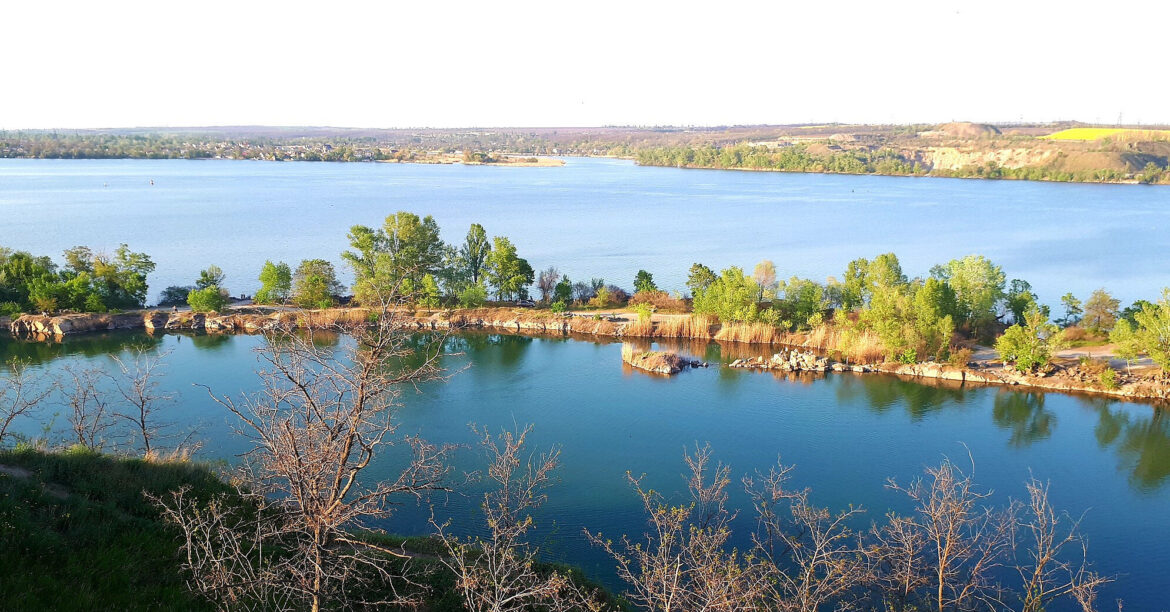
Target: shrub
point(602, 299)
point(9, 309)
point(960, 357)
point(1108, 378)
point(175, 295)
point(473, 296)
point(557, 307)
point(645, 311)
point(208, 299)
point(908, 356)
point(660, 300)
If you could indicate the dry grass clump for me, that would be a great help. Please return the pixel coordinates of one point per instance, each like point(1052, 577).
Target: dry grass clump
point(695, 326)
point(853, 345)
point(641, 327)
point(330, 317)
point(754, 333)
point(660, 300)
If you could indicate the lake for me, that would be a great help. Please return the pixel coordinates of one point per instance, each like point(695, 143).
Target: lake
point(592, 218)
point(846, 434)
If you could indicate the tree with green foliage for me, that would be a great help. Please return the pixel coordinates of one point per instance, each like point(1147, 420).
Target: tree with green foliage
point(509, 273)
point(885, 272)
point(428, 293)
point(314, 284)
point(175, 295)
point(405, 249)
point(800, 301)
point(644, 281)
point(474, 251)
point(699, 278)
point(1029, 345)
point(473, 296)
point(207, 299)
point(275, 283)
point(731, 297)
point(1072, 309)
point(1101, 311)
point(978, 286)
point(1153, 331)
point(1019, 299)
point(855, 288)
point(1127, 343)
point(563, 292)
point(211, 277)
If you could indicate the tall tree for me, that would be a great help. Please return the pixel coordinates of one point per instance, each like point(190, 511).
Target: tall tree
point(644, 281)
point(1072, 309)
point(507, 271)
point(698, 279)
point(275, 283)
point(475, 250)
point(1100, 311)
point(765, 276)
point(314, 284)
point(211, 277)
point(547, 281)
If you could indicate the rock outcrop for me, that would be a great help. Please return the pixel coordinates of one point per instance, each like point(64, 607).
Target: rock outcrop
point(658, 362)
point(786, 361)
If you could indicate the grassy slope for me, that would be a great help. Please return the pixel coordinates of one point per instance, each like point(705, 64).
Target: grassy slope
point(78, 534)
point(91, 540)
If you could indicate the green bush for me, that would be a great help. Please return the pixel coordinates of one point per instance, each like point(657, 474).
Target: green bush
point(557, 307)
point(1108, 378)
point(473, 296)
point(210, 299)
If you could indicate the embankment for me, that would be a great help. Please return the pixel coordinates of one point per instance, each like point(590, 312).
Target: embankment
point(257, 320)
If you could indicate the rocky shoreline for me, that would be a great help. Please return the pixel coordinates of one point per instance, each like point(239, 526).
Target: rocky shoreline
point(258, 320)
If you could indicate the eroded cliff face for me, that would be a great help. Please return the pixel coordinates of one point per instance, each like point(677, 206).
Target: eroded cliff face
point(957, 158)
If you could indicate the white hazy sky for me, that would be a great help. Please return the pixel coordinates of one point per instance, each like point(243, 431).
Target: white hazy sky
point(584, 63)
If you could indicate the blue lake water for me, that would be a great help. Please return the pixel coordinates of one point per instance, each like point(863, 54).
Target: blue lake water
point(606, 218)
point(846, 434)
point(593, 218)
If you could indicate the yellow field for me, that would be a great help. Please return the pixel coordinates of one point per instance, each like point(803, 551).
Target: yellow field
point(1099, 133)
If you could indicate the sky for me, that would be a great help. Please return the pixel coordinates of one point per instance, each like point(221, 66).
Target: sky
point(579, 63)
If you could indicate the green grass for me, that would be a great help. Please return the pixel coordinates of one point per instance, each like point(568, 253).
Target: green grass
point(78, 534)
point(90, 540)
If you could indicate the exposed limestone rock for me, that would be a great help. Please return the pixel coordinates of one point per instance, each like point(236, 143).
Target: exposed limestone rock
point(658, 362)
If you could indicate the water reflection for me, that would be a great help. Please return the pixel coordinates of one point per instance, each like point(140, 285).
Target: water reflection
point(1024, 415)
point(89, 345)
point(1142, 442)
point(886, 392)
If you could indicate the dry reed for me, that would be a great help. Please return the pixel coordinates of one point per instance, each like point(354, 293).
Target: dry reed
point(753, 333)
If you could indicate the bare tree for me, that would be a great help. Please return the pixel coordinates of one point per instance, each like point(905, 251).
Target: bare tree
point(683, 563)
point(499, 574)
point(547, 281)
point(965, 541)
point(814, 558)
point(22, 391)
point(315, 428)
point(1046, 573)
point(89, 414)
point(137, 381)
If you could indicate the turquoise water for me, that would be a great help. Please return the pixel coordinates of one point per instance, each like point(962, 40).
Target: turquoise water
point(592, 218)
point(845, 433)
